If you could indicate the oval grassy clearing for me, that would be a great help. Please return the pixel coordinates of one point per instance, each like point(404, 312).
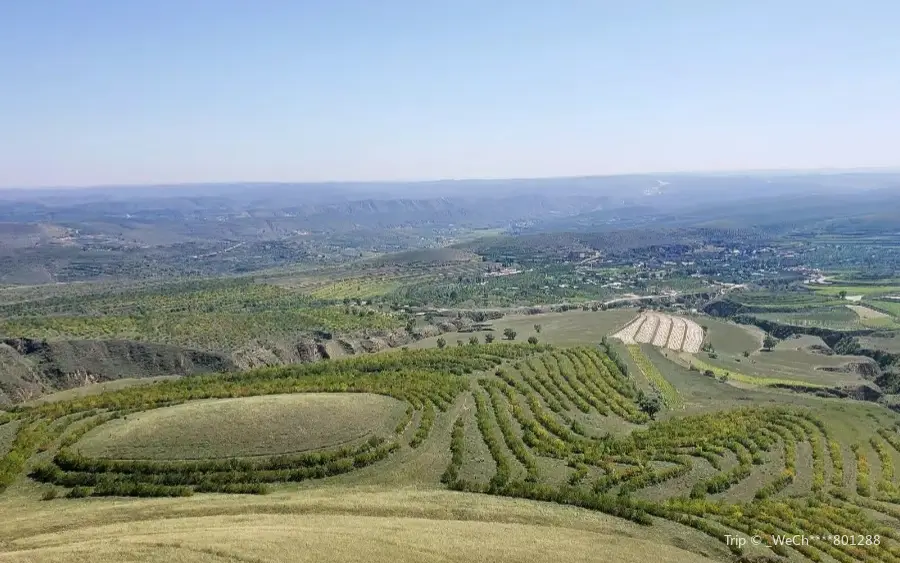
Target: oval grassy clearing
point(265, 425)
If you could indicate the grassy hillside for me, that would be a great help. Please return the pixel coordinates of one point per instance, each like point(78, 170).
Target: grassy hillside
point(216, 315)
point(563, 425)
point(333, 524)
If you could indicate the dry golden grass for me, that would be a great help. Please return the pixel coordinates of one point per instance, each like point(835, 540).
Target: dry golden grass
point(248, 426)
point(328, 525)
point(866, 313)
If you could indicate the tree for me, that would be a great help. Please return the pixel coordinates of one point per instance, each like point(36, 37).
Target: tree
point(842, 294)
point(746, 353)
point(488, 338)
point(410, 325)
point(509, 334)
point(473, 340)
point(649, 404)
point(769, 342)
point(441, 342)
point(537, 328)
point(532, 340)
point(459, 342)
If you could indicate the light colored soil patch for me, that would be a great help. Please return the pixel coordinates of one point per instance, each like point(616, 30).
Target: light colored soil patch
point(854, 298)
point(865, 313)
point(661, 330)
point(245, 427)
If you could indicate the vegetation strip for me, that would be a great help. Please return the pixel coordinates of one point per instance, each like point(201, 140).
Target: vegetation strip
point(670, 396)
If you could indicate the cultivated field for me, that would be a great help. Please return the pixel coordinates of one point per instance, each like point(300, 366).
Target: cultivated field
point(662, 330)
point(866, 313)
point(567, 426)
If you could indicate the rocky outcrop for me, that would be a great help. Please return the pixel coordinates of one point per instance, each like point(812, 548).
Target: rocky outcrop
point(30, 368)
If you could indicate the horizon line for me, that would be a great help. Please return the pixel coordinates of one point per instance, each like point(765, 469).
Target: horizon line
point(749, 171)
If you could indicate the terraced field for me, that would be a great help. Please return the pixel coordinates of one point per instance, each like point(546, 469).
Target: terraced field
point(563, 425)
point(663, 331)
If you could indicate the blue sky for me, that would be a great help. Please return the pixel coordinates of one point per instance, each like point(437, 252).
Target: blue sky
point(135, 91)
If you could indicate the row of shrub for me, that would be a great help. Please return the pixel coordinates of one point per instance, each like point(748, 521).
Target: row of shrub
point(886, 483)
point(31, 435)
point(457, 451)
point(483, 420)
point(610, 372)
point(721, 482)
point(404, 422)
point(615, 393)
point(513, 442)
point(121, 483)
point(564, 382)
point(550, 389)
point(71, 460)
point(862, 471)
point(648, 478)
point(538, 387)
point(582, 384)
point(535, 435)
point(670, 396)
point(425, 424)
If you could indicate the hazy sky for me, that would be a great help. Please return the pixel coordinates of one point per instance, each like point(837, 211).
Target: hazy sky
point(146, 91)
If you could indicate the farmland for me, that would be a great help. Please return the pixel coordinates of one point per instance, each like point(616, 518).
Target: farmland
point(663, 331)
point(516, 421)
point(417, 392)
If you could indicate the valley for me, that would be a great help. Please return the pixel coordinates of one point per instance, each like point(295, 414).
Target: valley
point(643, 390)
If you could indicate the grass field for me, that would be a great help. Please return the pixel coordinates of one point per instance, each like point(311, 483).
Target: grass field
point(730, 374)
point(835, 318)
point(561, 329)
point(251, 426)
point(889, 306)
point(888, 341)
point(832, 290)
point(865, 314)
point(332, 525)
point(731, 338)
point(789, 363)
point(500, 425)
